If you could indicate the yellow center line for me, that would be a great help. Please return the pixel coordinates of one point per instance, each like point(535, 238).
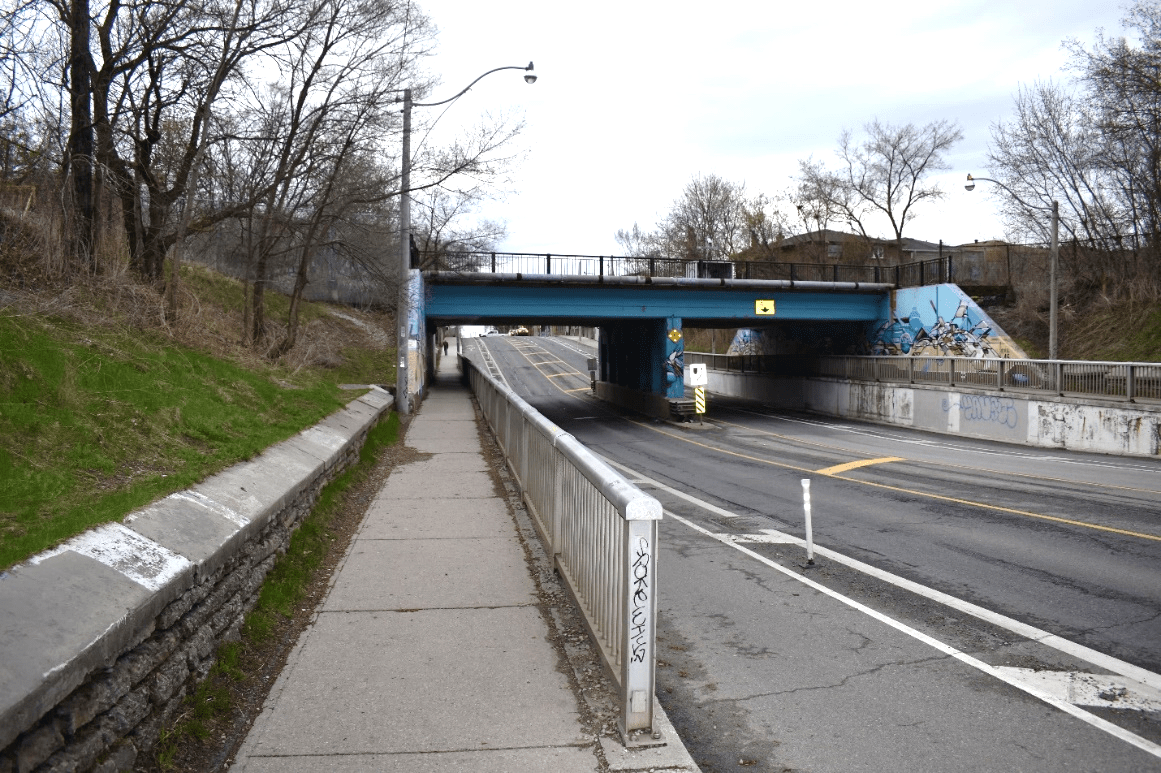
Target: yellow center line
point(915, 492)
point(855, 465)
point(938, 497)
point(947, 465)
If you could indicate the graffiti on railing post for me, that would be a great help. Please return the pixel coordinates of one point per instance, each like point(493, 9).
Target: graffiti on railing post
point(639, 615)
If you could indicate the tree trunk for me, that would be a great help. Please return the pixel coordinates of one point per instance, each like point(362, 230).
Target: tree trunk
point(80, 143)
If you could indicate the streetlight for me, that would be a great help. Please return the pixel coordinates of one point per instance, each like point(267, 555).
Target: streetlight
point(1053, 257)
point(403, 311)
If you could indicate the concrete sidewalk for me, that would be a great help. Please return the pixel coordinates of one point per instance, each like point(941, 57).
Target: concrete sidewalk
point(432, 650)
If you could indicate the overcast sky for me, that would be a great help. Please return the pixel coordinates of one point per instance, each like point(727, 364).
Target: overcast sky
point(635, 97)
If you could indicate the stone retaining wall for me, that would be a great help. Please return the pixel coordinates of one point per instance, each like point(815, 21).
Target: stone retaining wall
point(102, 638)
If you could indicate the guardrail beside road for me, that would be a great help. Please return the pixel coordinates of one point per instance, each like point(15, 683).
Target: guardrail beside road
point(602, 532)
point(1100, 407)
point(1130, 381)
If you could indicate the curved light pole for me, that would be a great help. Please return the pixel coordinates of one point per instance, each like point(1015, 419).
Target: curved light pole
point(403, 309)
point(1053, 256)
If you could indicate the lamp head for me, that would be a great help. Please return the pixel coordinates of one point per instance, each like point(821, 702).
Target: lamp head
point(971, 184)
point(531, 76)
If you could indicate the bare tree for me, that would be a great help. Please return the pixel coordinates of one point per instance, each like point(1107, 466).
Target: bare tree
point(766, 225)
point(444, 234)
point(886, 174)
point(709, 218)
point(820, 198)
point(1096, 149)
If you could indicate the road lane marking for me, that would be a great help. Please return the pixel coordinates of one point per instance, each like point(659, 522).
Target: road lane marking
point(855, 465)
point(1015, 681)
point(1084, 689)
point(913, 492)
point(1127, 670)
point(934, 443)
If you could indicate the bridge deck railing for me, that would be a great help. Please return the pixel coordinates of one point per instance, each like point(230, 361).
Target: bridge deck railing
point(602, 533)
point(935, 271)
point(1129, 381)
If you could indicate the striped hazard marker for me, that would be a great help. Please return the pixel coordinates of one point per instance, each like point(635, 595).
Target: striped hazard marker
point(699, 399)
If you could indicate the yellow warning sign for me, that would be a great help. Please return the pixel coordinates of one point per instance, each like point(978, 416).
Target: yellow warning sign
point(675, 335)
point(764, 308)
point(699, 399)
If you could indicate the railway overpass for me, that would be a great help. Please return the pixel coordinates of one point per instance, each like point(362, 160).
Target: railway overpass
point(641, 307)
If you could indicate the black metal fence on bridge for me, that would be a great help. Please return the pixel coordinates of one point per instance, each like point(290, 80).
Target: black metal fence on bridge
point(917, 274)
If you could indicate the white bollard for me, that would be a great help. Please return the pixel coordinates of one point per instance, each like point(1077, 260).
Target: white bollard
point(809, 530)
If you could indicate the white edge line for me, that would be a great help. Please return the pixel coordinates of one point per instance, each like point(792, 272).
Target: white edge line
point(1117, 666)
point(1068, 708)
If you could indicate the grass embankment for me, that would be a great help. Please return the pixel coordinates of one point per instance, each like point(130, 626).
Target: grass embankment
point(103, 408)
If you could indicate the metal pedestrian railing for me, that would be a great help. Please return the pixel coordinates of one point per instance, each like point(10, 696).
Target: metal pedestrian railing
point(602, 533)
point(1129, 381)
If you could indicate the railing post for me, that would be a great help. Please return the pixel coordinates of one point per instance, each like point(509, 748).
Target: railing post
point(639, 626)
point(1058, 372)
point(651, 261)
point(524, 462)
point(557, 515)
point(1000, 374)
point(910, 370)
point(493, 263)
point(1131, 383)
point(602, 269)
point(548, 264)
point(792, 272)
point(951, 371)
point(897, 275)
point(835, 271)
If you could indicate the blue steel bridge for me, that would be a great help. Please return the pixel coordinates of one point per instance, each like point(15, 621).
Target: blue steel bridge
point(641, 306)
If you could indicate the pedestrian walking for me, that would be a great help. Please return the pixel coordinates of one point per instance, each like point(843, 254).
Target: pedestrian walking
point(445, 347)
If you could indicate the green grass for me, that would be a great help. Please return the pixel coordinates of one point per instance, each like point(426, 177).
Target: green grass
point(96, 423)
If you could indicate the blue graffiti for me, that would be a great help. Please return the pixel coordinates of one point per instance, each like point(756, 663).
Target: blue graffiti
point(961, 336)
point(997, 410)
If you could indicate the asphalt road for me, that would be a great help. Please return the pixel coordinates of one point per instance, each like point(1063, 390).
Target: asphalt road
point(970, 606)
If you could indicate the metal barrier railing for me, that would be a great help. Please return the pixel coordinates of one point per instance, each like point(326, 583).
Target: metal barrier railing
point(1131, 381)
point(919, 273)
point(602, 533)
